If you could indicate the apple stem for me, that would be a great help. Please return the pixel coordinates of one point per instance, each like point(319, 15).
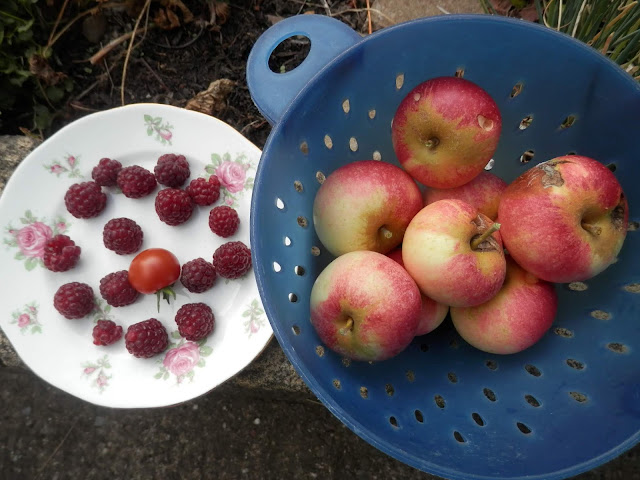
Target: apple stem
point(385, 232)
point(477, 241)
point(348, 327)
point(592, 229)
point(432, 143)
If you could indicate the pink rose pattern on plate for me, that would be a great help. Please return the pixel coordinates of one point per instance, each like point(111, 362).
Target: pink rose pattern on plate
point(162, 130)
point(30, 238)
point(68, 166)
point(254, 315)
point(182, 358)
point(233, 176)
point(26, 318)
point(95, 372)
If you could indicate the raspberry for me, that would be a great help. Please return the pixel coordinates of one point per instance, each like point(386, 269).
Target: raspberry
point(106, 332)
point(172, 170)
point(173, 206)
point(146, 339)
point(116, 289)
point(136, 182)
point(223, 221)
point(74, 300)
point(106, 172)
point(122, 235)
point(195, 321)
point(60, 254)
point(198, 275)
point(85, 200)
point(232, 260)
point(204, 192)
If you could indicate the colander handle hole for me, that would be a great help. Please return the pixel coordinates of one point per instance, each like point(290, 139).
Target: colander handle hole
point(289, 54)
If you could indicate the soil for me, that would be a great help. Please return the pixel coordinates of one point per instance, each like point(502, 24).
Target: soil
point(170, 66)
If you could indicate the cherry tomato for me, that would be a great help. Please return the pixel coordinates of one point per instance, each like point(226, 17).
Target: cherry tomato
point(153, 270)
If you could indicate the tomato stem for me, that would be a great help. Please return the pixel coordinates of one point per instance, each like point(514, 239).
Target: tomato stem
point(165, 293)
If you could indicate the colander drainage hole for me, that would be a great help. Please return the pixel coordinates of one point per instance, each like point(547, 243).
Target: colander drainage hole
point(632, 288)
point(578, 397)
point(389, 389)
point(276, 267)
point(337, 384)
point(633, 226)
point(419, 416)
point(410, 375)
point(578, 286)
point(489, 394)
point(296, 330)
point(328, 142)
point(459, 72)
point(297, 185)
point(393, 422)
point(304, 148)
point(459, 438)
point(353, 144)
point(293, 298)
point(320, 177)
point(424, 347)
point(346, 106)
point(531, 400)
point(287, 241)
point(279, 204)
point(377, 156)
point(478, 419)
point(346, 361)
point(491, 364)
point(299, 270)
point(439, 401)
point(523, 428)
point(399, 81)
point(601, 315)
point(490, 164)
point(563, 332)
point(532, 370)
point(612, 167)
point(616, 347)
point(315, 251)
point(364, 392)
point(568, 122)
point(575, 364)
point(527, 156)
point(516, 90)
point(454, 344)
point(525, 122)
point(320, 351)
point(303, 222)
point(453, 378)
point(372, 113)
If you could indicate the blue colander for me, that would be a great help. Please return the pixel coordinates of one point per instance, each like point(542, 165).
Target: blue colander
point(564, 406)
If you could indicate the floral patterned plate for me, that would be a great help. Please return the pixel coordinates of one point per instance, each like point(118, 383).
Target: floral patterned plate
point(32, 210)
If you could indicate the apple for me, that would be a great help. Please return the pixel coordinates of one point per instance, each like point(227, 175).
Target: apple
point(564, 220)
point(454, 253)
point(483, 192)
point(432, 313)
point(512, 321)
point(365, 306)
point(445, 131)
point(365, 205)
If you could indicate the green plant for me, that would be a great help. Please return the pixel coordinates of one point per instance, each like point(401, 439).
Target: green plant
point(610, 26)
point(29, 86)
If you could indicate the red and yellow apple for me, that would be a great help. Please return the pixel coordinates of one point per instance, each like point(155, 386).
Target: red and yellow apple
point(432, 313)
point(445, 131)
point(483, 192)
point(365, 306)
point(564, 220)
point(454, 254)
point(365, 205)
point(515, 319)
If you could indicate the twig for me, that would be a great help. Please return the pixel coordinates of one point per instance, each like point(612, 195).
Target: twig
point(184, 45)
point(443, 10)
point(369, 17)
point(326, 7)
point(301, 7)
point(40, 470)
point(97, 57)
point(126, 59)
point(155, 75)
point(575, 27)
point(58, 18)
point(53, 39)
point(359, 10)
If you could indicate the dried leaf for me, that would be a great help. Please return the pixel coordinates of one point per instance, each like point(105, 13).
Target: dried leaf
point(213, 100)
point(273, 19)
point(39, 67)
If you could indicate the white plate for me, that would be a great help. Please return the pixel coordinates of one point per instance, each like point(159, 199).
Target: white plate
point(32, 209)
